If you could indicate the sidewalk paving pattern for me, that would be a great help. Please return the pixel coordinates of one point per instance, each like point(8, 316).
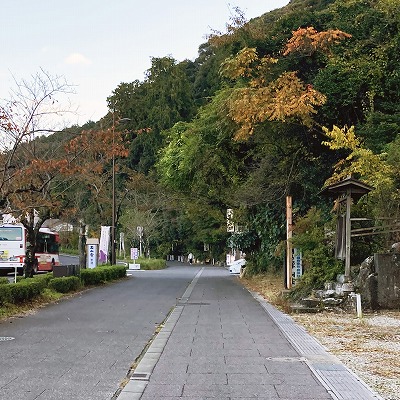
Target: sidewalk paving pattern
point(222, 342)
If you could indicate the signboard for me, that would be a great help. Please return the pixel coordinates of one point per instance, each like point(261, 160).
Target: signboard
point(92, 249)
point(134, 253)
point(230, 225)
point(297, 264)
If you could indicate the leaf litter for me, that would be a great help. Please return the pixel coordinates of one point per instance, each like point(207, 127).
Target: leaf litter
point(369, 346)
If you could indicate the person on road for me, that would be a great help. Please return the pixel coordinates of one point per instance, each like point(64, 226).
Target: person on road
point(190, 258)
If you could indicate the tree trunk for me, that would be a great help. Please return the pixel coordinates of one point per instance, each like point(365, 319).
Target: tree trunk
point(30, 254)
point(81, 245)
point(32, 224)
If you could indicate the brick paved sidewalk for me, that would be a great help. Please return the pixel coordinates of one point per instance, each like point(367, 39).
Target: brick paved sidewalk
point(220, 342)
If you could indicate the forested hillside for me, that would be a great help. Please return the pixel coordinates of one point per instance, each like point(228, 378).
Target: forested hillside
point(242, 126)
point(275, 106)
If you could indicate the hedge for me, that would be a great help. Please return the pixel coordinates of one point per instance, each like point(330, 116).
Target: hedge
point(102, 274)
point(65, 284)
point(152, 263)
point(27, 289)
point(5, 294)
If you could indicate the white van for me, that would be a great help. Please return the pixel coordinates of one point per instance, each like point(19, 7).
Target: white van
point(236, 266)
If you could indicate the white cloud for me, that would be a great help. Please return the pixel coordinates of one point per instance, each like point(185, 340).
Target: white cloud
point(77, 59)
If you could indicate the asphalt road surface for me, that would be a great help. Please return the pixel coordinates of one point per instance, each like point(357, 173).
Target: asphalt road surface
point(84, 346)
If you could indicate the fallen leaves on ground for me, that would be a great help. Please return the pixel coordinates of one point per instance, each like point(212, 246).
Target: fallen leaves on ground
point(369, 346)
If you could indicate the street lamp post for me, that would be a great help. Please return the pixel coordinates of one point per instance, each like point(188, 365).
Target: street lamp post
point(114, 216)
point(113, 219)
point(139, 230)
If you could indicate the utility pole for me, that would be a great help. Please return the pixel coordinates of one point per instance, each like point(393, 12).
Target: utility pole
point(82, 244)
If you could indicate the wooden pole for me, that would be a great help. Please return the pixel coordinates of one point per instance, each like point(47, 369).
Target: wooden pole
point(348, 238)
point(289, 234)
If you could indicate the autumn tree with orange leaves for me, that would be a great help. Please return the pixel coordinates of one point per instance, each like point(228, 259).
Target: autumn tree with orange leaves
point(95, 149)
point(307, 41)
point(261, 96)
point(27, 172)
point(35, 180)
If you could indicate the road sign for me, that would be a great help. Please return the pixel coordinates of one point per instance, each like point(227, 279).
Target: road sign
point(134, 253)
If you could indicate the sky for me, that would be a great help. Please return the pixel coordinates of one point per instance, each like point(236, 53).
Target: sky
point(97, 44)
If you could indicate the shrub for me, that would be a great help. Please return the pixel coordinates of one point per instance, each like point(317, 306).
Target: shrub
point(65, 284)
point(102, 274)
point(319, 263)
point(25, 290)
point(152, 263)
point(3, 281)
point(5, 294)
point(42, 279)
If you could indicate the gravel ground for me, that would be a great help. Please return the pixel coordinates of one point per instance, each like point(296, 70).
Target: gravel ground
point(369, 346)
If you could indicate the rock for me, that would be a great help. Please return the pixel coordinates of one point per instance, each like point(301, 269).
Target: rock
point(395, 248)
point(340, 278)
point(329, 293)
point(332, 302)
point(311, 302)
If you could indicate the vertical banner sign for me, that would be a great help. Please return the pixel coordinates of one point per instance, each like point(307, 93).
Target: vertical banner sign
point(122, 244)
point(104, 244)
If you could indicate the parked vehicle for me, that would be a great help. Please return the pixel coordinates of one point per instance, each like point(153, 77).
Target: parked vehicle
point(236, 266)
point(13, 249)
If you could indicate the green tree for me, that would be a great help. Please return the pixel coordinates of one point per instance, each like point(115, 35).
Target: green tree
point(162, 99)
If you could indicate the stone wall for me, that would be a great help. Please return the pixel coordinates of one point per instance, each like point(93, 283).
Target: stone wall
point(378, 281)
point(387, 270)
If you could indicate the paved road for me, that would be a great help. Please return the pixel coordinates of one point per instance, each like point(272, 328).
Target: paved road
point(222, 343)
point(82, 348)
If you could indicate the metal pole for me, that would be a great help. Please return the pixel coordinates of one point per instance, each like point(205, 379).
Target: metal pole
point(139, 231)
point(113, 222)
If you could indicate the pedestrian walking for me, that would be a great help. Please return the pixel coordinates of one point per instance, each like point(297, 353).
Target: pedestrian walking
point(190, 258)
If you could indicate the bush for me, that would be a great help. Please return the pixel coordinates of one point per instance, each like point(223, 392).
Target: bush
point(25, 290)
point(42, 279)
point(102, 274)
point(3, 281)
point(152, 263)
point(5, 294)
point(319, 263)
point(65, 284)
